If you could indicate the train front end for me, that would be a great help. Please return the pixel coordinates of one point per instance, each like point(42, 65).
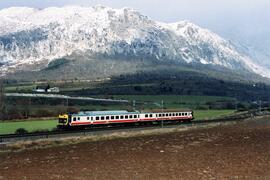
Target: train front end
point(63, 120)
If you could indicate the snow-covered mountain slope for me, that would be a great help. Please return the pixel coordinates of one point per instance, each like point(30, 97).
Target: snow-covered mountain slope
point(30, 36)
point(259, 56)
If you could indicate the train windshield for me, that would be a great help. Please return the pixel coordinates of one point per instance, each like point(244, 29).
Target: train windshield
point(63, 118)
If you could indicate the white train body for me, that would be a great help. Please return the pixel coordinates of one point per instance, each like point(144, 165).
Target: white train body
point(112, 117)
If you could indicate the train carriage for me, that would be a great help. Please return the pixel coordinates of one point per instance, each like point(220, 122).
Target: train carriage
point(92, 118)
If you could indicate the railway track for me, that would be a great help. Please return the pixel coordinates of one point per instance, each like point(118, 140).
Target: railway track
point(9, 138)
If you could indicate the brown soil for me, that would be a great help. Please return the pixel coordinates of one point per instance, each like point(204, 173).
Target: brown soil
point(240, 151)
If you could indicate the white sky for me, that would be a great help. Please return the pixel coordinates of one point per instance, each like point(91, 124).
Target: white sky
point(244, 20)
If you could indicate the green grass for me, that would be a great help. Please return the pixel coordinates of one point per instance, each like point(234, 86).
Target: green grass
point(19, 88)
point(210, 114)
point(172, 101)
point(171, 98)
point(11, 127)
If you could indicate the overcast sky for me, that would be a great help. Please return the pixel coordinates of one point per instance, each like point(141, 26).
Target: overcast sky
point(244, 20)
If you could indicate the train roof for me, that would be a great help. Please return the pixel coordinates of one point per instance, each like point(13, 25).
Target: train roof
point(167, 110)
point(101, 113)
point(123, 112)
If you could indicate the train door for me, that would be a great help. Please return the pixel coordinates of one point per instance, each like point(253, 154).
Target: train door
point(92, 119)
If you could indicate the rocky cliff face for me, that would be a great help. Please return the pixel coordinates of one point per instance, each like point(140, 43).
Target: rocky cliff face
point(30, 37)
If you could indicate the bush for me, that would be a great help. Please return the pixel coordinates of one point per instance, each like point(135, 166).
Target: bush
point(21, 131)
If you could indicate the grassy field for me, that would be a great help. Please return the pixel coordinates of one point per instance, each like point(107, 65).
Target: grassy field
point(172, 101)
point(33, 125)
point(210, 114)
point(11, 127)
point(171, 98)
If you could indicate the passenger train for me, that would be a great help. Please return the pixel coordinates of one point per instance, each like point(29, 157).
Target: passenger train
point(96, 118)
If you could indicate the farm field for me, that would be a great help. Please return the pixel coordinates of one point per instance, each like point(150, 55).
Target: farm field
point(233, 151)
point(34, 125)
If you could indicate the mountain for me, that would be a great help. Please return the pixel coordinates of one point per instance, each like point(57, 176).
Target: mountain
point(260, 56)
point(33, 39)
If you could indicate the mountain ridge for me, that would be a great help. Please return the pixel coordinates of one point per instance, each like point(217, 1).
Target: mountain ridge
point(30, 37)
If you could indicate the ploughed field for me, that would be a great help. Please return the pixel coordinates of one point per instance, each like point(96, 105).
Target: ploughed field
point(236, 151)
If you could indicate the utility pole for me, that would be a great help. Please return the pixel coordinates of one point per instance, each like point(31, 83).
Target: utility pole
point(260, 106)
point(67, 103)
point(2, 98)
point(235, 105)
point(134, 105)
point(162, 113)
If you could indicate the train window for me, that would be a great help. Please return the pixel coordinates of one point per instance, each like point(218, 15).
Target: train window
point(74, 119)
point(97, 118)
point(150, 115)
point(79, 118)
point(121, 117)
point(130, 116)
point(173, 114)
point(126, 116)
point(87, 118)
point(138, 116)
point(146, 115)
point(135, 116)
point(92, 118)
point(107, 117)
point(167, 114)
point(102, 118)
point(170, 114)
point(112, 117)
point(116, 117)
